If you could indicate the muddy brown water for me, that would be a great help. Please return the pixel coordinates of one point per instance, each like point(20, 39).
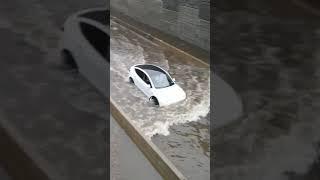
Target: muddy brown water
point(180, 130)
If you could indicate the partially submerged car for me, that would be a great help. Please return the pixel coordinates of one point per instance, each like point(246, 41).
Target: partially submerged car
point(85, 45)
point(156, 84)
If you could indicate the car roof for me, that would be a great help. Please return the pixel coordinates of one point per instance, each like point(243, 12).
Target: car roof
point(99, 15)
point(150, 68)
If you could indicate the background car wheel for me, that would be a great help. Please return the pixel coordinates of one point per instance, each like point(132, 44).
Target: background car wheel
point(68, 60)
point(155, 101)
point(131, 80)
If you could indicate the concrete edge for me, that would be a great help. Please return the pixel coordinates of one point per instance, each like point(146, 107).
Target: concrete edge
point(153, 38)
point(16, 162)
point(159, 161)
point(20, 160)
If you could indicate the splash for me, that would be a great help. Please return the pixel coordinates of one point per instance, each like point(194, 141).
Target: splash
point(152, 120)
point(121, 59)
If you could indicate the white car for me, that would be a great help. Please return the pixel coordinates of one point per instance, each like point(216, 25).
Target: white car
point(156, 84)
point(85, 45)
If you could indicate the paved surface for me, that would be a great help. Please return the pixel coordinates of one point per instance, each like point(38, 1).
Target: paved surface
point(188, 20)
point(127, 161)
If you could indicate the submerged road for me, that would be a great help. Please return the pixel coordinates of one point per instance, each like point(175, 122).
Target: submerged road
point(181, 131)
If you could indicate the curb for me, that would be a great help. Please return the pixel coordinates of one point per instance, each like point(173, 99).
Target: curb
point(153, 38)
point(158, 160)
point(18, 158)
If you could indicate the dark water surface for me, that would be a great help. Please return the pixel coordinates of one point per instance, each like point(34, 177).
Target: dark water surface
point(274, 65)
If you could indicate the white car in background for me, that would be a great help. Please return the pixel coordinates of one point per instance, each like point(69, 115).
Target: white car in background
point(156, 84)
point(85, 43)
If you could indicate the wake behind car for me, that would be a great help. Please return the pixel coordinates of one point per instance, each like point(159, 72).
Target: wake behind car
point(85, 45)
point(156, 84)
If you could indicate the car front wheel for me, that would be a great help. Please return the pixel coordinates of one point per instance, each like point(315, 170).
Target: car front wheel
point(131, 80)
point(155, 101)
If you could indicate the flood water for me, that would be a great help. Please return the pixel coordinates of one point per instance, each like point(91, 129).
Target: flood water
point(180, 130)
point(273, 64)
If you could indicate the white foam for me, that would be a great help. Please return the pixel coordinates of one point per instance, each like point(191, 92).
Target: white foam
point(121, 59)
point(149, 119)
point(196, 105)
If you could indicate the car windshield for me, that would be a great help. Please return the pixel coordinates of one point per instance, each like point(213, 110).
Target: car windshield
point(159, 79)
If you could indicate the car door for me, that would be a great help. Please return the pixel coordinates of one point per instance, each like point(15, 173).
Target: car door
point(147, 85)
point(95, 54)
point(143, 82)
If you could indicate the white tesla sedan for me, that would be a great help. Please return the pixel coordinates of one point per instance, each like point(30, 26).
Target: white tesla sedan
point(85, 45)
point(156, 84)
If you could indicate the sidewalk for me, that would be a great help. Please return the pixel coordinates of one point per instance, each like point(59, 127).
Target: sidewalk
point(127, 161)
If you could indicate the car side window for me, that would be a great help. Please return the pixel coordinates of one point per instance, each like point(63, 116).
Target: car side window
point(140, 73)
point(146, 79)
point(97, 38)
point(143, 76)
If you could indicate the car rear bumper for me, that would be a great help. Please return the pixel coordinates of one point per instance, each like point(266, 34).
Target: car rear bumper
point(168, 102)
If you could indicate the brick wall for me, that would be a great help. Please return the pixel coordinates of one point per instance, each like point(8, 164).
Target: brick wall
point(188, 20)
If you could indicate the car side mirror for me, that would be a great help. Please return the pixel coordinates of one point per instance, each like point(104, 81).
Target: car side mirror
point(173, 79)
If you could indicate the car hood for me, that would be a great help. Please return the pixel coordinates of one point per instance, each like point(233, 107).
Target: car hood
point(169, 95)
